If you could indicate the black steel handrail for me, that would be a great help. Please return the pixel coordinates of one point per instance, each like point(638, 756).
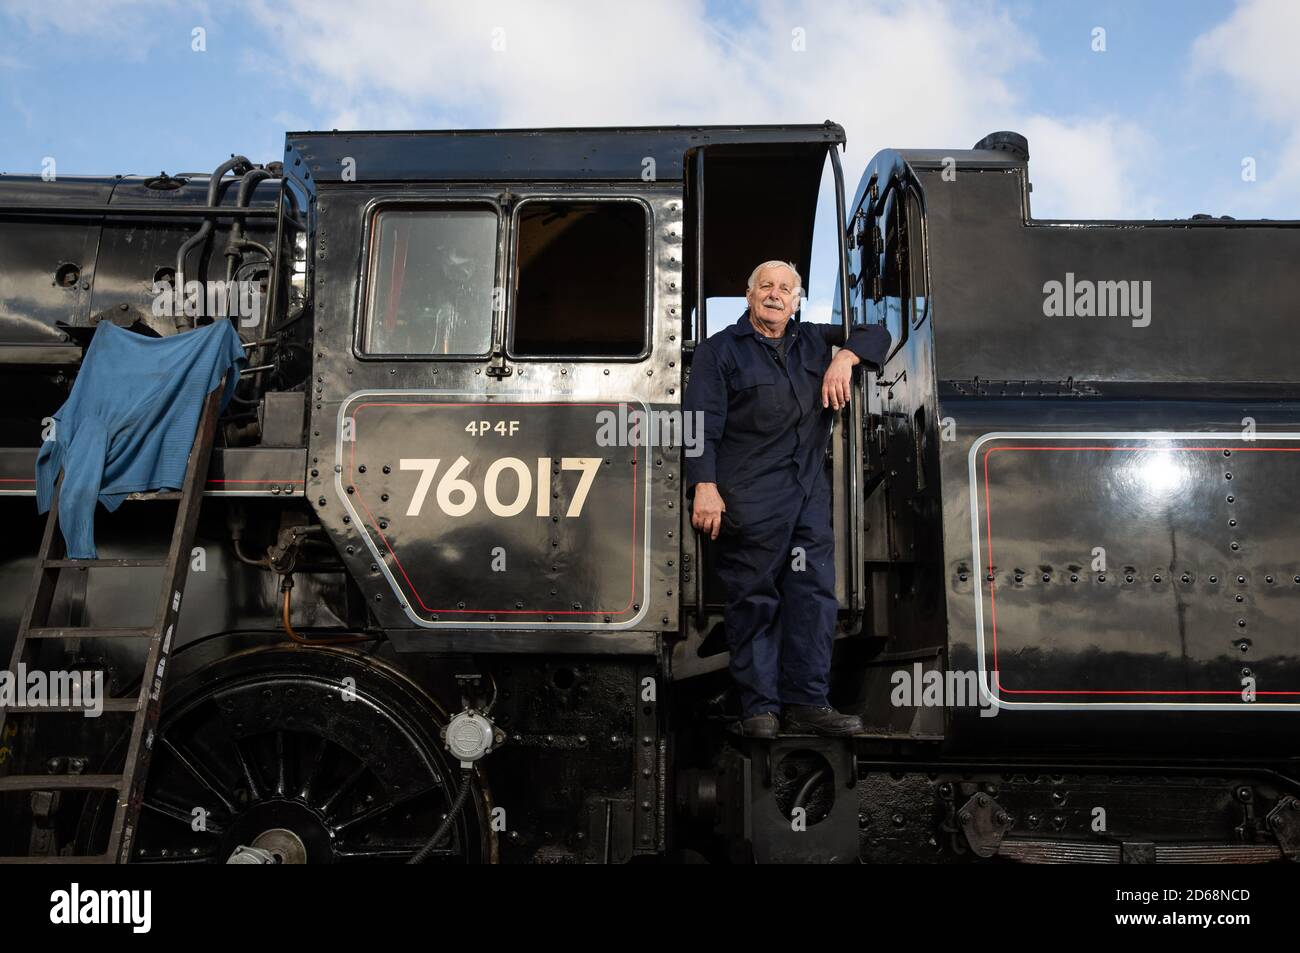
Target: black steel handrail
point(851, 467)
point(140, 211)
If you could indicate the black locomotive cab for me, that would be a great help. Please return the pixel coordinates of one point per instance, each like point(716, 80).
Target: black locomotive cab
point(502, 321)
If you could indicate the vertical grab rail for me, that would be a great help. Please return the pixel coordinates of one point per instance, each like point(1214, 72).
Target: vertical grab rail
point(701, 327)
point(854, 503)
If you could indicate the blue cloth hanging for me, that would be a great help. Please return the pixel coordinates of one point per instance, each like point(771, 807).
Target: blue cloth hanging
point(130, 421)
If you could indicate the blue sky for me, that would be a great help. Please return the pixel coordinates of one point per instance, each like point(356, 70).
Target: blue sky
point(1156, 125)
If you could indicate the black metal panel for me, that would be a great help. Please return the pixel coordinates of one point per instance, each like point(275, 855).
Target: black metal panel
point(1149, 654)
point(591, 154)
point(565, 778)
point(32, 252)
point(115, 259)
point(1189, 583)
point(1221, 293)
point(460, 568)
point(789, 800)
point(740, 230)
point(912, 812)
point(257, 471)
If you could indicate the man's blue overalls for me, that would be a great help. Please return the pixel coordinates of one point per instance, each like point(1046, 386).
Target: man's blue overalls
point(765, 436)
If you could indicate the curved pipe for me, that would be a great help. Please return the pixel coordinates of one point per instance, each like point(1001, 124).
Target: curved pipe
point(256, 246)
point(241, 165)
point(302, 639)
point(247, 183)
point(466, 779)
point(801, 799)
point(263, 563)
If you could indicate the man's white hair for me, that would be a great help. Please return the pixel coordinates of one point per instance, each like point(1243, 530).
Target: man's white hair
point(777, 263)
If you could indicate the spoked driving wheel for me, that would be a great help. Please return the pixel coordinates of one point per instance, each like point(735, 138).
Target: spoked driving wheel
point(309, 755)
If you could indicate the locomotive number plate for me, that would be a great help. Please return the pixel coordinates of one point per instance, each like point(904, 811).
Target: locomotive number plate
point(504, 513)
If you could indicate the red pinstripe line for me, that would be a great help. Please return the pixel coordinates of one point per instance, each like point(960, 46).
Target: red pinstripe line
point(992, 585)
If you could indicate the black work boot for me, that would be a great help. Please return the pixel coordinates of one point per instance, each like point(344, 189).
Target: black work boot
point(762, 725)
point(811, 719)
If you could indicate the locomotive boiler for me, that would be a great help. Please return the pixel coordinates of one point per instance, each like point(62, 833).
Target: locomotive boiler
point(443, 603)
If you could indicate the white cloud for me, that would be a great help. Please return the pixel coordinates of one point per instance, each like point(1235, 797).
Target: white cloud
point(815, 311)
point(501, 64)
point(920, 74)
point(925, 74)
point(1256, 49)
point(1087, 168)
point(911, 75)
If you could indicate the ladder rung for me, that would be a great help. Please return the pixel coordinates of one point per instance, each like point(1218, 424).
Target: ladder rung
point(104, 563)
point(106, 704)
point(61, 782)
point(89, 632)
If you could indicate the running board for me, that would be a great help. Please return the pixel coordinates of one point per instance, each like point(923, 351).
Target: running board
point(1029, 851)
point(987, 826)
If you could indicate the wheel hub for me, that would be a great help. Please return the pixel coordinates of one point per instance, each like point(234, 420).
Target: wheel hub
point(291, 832)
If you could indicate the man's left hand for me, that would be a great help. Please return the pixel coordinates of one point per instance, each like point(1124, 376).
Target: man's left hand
point(838, 382)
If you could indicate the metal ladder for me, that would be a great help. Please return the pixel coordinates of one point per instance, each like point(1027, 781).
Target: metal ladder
point(129, 785)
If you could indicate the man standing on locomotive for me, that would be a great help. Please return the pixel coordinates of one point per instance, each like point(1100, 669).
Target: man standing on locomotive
point(767, 387)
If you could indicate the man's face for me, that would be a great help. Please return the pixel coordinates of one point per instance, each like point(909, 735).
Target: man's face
point(772, 299)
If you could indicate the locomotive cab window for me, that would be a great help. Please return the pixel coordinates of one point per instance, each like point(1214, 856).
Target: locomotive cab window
point(918, 283)
point(891, 303)
point(430, 281)
point(581, 279)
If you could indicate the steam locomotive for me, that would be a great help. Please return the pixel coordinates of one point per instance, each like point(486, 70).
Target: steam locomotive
point(429, 594)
